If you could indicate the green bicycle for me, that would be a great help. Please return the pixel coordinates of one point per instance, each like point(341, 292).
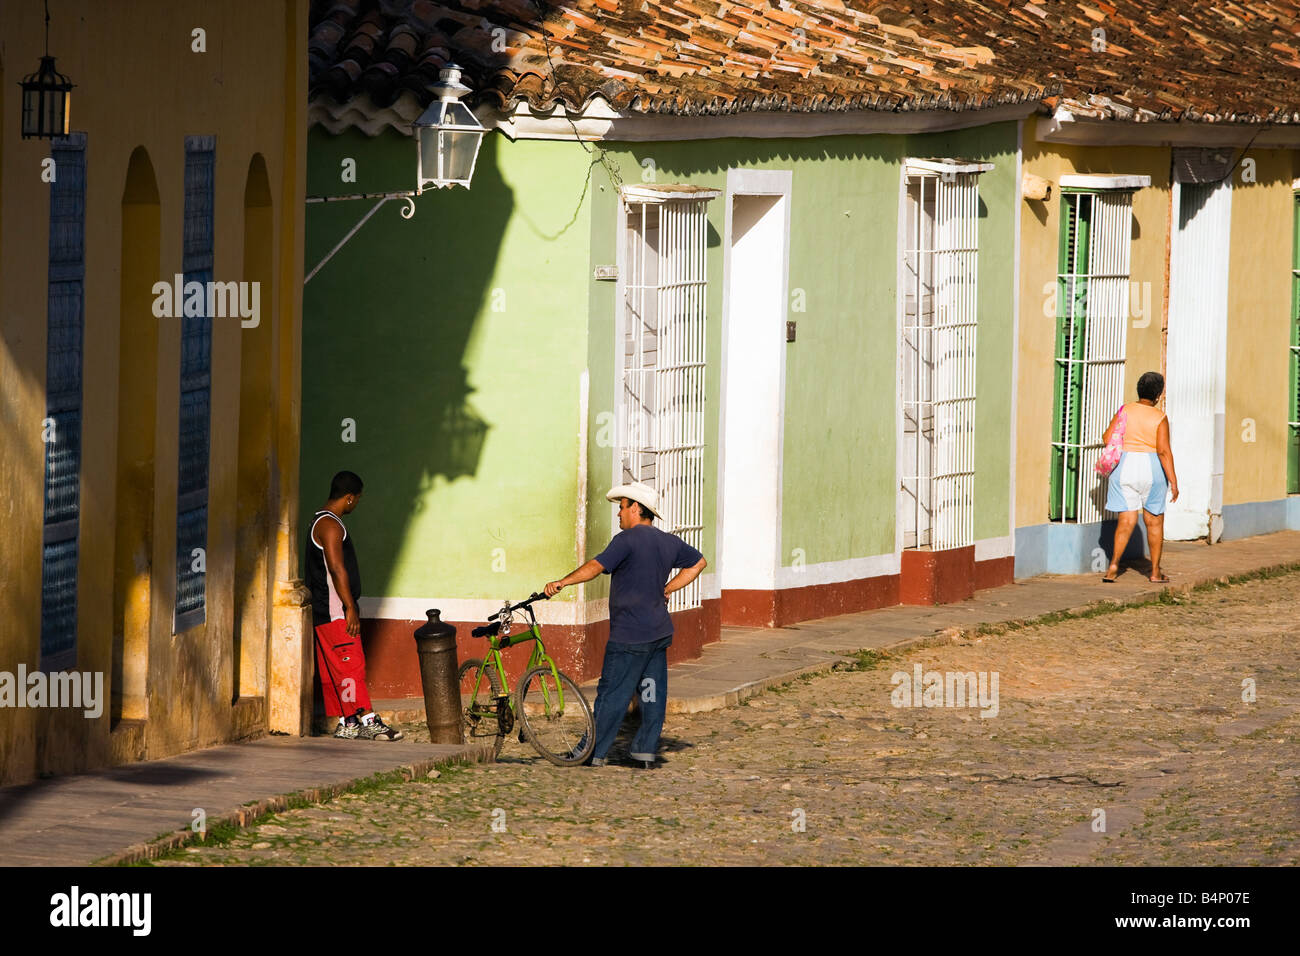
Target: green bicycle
point(552, 713)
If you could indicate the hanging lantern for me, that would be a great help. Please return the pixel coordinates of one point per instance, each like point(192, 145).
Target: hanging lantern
point(47, 96)
point(447, 136)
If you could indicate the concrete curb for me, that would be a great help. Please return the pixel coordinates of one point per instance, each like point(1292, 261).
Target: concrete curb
point(252, 812)
point(741, 693)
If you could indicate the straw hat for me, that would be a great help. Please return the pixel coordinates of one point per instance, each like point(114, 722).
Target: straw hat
point(641, 494)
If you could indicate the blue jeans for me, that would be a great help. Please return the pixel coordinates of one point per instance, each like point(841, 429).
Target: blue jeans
point(632, 669)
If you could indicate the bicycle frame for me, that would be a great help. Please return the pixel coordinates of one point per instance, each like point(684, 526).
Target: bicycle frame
point(538, 657)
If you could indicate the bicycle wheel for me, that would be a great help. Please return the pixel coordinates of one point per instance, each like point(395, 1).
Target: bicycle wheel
point(565, 736)
point(481, 728)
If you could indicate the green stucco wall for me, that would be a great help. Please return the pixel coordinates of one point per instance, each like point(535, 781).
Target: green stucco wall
point(455, 340)
point(838, 488)
point(479, 316)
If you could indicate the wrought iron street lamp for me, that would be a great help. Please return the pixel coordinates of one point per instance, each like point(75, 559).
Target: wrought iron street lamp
point(47, 96)
point(447, 140)
point(447, 136)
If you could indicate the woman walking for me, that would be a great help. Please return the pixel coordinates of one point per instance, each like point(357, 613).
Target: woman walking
point(1144, 475)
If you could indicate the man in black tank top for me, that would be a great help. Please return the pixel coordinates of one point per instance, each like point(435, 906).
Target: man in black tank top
point(335, 582)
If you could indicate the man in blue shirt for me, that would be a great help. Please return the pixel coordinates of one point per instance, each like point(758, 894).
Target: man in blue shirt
point(638, 560)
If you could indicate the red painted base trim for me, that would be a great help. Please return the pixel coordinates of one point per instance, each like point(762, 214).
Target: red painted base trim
point(937, 577)
point(995, 572)
point(748, 608)
point(790, 605)
point(393, 667)
point(926, 578)
point(842, 597)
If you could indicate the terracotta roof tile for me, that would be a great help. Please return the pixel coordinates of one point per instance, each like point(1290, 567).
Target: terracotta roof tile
point(1224, 60)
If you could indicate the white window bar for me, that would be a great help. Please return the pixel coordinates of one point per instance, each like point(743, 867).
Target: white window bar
point(664, 362)
point(938, 360)
point(1103, 268)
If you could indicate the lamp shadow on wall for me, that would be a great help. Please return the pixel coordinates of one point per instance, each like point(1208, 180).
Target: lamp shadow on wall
point(387, 326)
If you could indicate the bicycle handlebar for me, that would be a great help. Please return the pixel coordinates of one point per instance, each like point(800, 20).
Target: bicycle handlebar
point(510, 609)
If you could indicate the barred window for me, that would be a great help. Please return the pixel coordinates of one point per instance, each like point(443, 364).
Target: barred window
point(62, 428)
point(663, 335)
point(938, 286)
point(195, 389)
point(1092, 321)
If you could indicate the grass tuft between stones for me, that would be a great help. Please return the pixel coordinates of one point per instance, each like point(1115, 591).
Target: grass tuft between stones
point(222, 834)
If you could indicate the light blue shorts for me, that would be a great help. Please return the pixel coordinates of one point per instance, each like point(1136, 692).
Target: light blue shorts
point(1138, 481)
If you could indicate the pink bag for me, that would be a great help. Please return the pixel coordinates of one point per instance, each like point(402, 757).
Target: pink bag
point(1115, 447)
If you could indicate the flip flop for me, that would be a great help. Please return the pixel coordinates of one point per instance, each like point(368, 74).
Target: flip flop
point(1108, 580)
point(1163, 579)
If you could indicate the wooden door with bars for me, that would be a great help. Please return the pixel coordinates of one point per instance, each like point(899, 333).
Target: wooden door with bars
point(662, 354)
point(937, 353)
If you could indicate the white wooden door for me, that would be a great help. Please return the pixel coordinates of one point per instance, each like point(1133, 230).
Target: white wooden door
point(752, 372)
point(1198, 327)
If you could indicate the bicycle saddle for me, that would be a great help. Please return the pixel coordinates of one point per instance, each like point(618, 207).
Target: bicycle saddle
point(487, 630)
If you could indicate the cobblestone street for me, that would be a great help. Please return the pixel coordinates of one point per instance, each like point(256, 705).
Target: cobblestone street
point(1138, 715)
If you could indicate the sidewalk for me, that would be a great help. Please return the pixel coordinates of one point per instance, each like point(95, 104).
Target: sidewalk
point(113, 813)
point(78, 819)
point(748, 659)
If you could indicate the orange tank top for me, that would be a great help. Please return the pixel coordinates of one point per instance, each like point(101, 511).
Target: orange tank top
point(1141, 426)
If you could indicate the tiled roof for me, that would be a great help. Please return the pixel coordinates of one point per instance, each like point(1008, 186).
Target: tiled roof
point(1211, 60)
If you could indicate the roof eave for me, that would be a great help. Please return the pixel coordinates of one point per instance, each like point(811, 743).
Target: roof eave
point(1070, 128)
point(600, 121)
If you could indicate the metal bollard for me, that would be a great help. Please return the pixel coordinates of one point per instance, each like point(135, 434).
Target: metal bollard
point(435, 640)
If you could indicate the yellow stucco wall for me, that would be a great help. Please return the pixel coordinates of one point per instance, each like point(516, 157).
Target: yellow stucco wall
point(1039, 242)
point(140, 84)
point(1259, 299)
point(1259, 304)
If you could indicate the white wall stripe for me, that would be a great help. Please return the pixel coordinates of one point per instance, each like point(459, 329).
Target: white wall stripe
point(836, 572)
point(987, 549)
point(576, 613)
point(554, 611)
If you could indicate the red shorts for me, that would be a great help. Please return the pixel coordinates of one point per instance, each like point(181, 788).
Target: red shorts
point(342, 668)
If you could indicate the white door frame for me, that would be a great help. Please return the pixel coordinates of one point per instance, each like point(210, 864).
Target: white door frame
point(754, 182)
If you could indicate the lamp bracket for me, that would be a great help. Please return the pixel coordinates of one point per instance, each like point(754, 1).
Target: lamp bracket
point(407, 211)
